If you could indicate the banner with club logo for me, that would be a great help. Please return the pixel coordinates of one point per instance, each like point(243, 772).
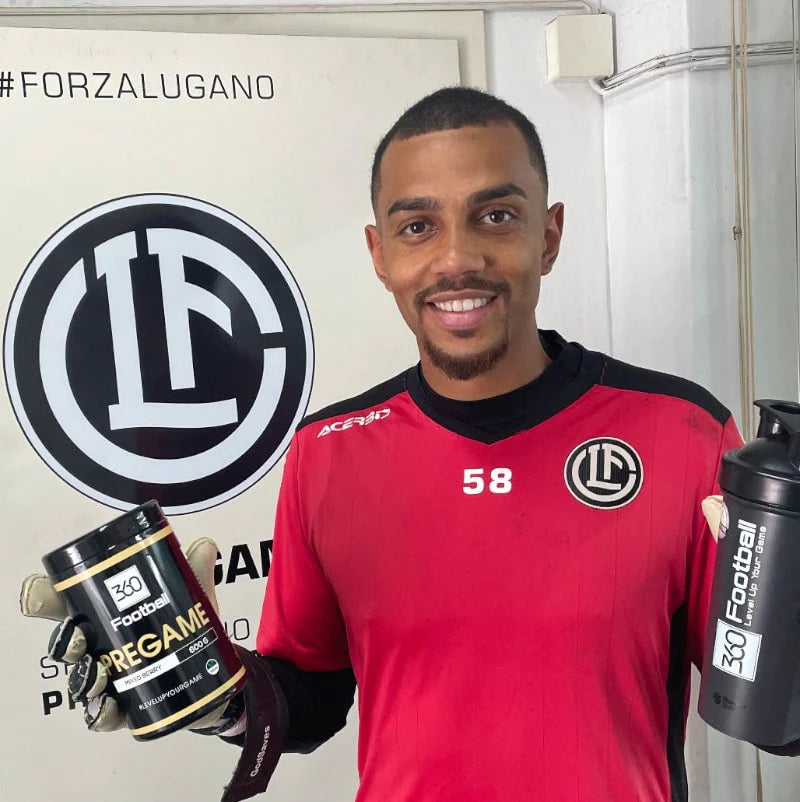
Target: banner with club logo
point(183, 277)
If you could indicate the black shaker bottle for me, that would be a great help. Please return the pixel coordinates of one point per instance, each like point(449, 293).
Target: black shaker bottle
point(148, 619)
point(750, 686)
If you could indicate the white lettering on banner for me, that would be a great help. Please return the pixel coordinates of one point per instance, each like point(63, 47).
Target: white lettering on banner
point(356, 420)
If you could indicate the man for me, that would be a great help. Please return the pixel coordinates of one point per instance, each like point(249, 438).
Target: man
point(503, 546)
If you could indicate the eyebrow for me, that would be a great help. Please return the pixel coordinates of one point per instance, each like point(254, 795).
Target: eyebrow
point(481, 196)
point(495, 193)
point(413, 205)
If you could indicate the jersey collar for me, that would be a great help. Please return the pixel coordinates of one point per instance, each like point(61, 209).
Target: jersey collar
point(571, 373)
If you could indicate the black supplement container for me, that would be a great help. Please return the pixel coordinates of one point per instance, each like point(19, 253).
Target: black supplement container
point(148, 620)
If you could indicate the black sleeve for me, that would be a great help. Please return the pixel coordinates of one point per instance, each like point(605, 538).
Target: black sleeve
point(317, 701)
point(787, 750)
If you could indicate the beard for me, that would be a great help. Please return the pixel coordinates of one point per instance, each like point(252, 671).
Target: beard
point(466, 367)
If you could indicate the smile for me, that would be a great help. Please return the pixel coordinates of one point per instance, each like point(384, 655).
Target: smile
point(462, 314)
point(461, 305)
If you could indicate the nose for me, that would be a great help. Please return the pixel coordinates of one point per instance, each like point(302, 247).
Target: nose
point(460, 252)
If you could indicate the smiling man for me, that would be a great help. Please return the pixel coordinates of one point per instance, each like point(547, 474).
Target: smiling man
point(462, 238)
point(510, 556)
point(503, 546)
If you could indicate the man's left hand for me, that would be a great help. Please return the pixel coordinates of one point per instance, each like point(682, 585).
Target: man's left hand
point(712, 509)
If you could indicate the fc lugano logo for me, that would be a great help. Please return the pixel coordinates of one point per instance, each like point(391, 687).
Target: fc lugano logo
point(158, 347)
point(604, 472)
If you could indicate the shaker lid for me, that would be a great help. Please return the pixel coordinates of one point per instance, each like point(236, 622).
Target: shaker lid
point(105, 540)
point(767, 469)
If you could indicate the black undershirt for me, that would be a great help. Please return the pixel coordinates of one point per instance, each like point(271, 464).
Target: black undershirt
point(572, 371)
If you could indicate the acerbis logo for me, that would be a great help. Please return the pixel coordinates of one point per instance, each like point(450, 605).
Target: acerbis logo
point(158, 347)
point(604, 472)
point(357, 420)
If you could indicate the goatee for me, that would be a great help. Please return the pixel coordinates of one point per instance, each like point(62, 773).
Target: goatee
point(464, 368)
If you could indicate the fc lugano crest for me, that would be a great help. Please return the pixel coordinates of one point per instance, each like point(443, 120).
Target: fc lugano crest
point(604, 472)
point(157, 346)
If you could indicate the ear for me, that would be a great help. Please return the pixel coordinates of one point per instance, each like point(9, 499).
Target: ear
point(375, 246)
point(553, 229)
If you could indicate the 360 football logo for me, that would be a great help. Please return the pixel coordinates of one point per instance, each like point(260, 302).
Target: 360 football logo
point(158, 347)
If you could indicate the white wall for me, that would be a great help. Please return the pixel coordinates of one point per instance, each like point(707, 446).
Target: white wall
point(669, 175)
point(674, 286)
point(673, 304)
point(569, 119)
point(773, 190)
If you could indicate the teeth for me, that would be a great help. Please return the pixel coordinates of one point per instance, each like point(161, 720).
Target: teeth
point(466, 305)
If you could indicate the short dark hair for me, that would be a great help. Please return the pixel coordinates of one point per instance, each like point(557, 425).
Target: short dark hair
point(458, 107)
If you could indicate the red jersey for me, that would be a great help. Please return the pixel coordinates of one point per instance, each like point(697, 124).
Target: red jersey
point(520, 584)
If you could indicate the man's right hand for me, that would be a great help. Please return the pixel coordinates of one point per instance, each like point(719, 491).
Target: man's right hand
point(263, 730)
point(88, 679)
